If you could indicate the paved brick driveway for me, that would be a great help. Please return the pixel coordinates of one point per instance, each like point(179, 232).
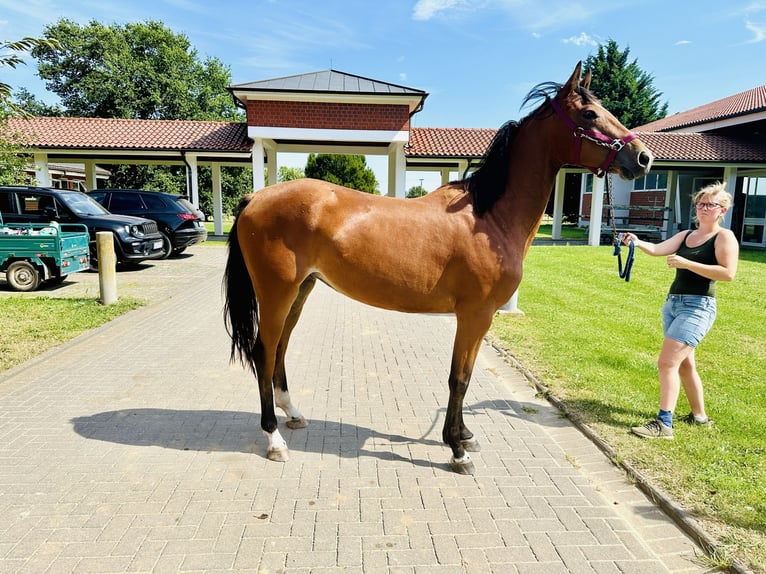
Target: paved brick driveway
point(137, 448)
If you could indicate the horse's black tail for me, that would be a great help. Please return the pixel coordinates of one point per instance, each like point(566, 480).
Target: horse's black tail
point(240, 304)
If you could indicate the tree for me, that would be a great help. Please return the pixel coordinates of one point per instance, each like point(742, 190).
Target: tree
point(416, 191)
point(10, 56)
point(347, 170)
point(30, 105)
point(12, 162)
point(136, 70)
point(289, 173)
point(623, 87)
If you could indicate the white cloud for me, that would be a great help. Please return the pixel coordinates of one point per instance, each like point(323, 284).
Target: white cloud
point(683, 42)
point(758, 30)
point(427, 9)
point(582, 40)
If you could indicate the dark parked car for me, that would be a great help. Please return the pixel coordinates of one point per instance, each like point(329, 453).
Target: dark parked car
point(136, 239)
point(179, 222)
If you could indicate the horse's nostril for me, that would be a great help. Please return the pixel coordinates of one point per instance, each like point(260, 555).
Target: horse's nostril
point(644, 159)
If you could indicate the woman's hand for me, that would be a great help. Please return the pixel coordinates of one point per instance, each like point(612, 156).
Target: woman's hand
point(677, 262)
point(627, 237)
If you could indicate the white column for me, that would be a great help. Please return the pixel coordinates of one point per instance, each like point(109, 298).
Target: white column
point(596, 206)
point(558, 204)
point(42, 175)
point(462, 165)
point(730, 179)
point(91, 182)
point(194, 191)
point(670, 228)
point(217, 200)
point(445, 176)
point(271, 160)
point(397, 170)
point(258, 179)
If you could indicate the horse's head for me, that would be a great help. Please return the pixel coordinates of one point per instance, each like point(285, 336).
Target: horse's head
point(600, 142)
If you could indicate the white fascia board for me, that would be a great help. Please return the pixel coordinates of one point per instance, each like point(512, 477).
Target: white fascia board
point(327, 135)
point(719, 124)
point(351, 98)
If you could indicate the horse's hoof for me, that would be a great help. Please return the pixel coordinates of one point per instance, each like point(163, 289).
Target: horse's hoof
point(471, 445)
point(278, 455)
point(296, 423)
point(463, 466)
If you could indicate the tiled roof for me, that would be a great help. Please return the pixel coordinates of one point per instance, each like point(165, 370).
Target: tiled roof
point(449, 142)
point(745, 103)
point(704, 147)
point(327, 81)
point(461, 143)
point(119, 134)
point(472, 143)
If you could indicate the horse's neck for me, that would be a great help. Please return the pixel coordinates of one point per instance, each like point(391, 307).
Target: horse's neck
point(532, 175)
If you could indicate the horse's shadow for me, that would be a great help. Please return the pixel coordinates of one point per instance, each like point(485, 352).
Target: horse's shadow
point(237, 431)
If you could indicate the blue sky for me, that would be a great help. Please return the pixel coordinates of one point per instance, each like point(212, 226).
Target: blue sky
point(476, 58)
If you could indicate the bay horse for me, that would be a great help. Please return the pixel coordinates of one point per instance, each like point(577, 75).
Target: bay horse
point(459, 249)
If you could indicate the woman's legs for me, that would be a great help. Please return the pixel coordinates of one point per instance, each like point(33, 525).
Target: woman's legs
point(676, 364)
point(692, 384)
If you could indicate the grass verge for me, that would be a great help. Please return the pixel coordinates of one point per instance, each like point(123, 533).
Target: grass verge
point(593, 339)
point(32, 325)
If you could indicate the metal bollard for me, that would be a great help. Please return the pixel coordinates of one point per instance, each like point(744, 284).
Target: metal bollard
point(107, 267)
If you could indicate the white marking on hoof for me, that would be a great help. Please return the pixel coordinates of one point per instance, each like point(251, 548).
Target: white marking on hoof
point(295, 419)
point(278, 455)
point(462, 465)
point(298, 423)
point(277, 450)
point(471, 445)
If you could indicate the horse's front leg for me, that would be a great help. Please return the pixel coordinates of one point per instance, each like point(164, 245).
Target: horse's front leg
point(471, 328)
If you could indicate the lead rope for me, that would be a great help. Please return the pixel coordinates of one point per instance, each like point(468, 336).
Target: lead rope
point(617, 237)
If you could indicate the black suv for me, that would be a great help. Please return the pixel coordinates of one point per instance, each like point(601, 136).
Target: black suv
point(180, 224)
point(135, 238)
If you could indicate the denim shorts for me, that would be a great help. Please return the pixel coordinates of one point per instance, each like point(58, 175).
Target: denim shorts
point(688, 318)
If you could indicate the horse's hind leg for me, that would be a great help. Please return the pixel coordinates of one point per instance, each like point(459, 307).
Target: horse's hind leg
point(295, 419)
point(275, 309)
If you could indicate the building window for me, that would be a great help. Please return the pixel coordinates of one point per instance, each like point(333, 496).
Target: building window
point(653, 182)
point(588, 183)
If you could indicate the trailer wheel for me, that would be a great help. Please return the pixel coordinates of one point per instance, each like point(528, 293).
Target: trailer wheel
point(22, 276)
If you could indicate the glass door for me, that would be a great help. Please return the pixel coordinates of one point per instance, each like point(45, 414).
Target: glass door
point(755, 212)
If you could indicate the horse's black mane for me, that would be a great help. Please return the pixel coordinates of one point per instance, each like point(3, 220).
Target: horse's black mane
point(488, 182)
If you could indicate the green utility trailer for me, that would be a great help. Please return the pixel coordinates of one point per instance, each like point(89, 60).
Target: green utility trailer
point(33, 253)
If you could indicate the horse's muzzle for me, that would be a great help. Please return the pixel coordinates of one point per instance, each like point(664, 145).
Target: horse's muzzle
point(632, 163)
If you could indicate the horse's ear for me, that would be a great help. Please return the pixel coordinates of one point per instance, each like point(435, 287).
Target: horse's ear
point(574, 81)
point(586, 81)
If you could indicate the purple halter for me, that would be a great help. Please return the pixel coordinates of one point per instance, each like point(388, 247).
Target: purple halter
point(614, 145)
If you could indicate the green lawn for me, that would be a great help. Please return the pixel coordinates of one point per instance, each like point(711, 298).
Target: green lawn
point(227, 223)
point(32, 325)
point(593, 340)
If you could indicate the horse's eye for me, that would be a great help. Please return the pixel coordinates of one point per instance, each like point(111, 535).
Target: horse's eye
point(589, 115)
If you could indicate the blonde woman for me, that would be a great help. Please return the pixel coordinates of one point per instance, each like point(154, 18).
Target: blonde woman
point(700, 257)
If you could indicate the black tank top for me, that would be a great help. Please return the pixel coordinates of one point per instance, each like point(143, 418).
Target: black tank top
point(689, 283)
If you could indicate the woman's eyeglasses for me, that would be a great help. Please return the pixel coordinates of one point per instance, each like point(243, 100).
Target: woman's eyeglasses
point(706, 205)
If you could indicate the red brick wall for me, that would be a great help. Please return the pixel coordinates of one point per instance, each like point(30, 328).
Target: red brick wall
point(324, 115)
